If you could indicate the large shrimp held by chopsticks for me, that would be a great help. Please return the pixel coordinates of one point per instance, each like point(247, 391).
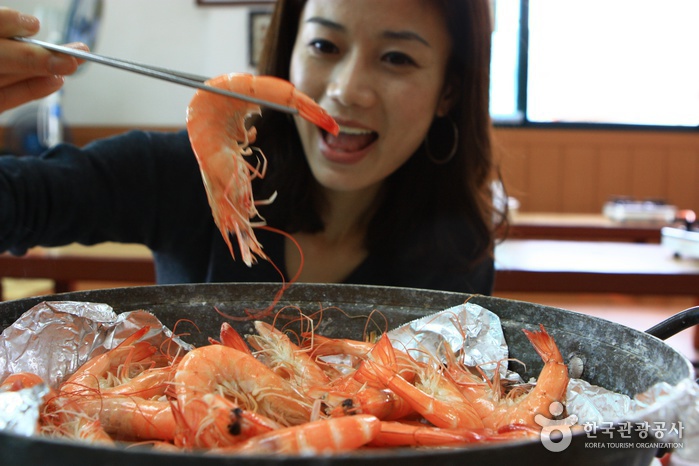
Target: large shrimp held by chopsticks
point(221, 143)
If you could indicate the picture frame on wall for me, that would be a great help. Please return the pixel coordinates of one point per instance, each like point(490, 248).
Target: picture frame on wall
point(258, 22)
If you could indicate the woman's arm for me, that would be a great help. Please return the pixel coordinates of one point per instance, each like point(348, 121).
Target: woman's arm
point(140, 187)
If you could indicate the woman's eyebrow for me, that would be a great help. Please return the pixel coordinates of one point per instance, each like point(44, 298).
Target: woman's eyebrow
point(400, 35)
point(406, 35)
point(325, 22)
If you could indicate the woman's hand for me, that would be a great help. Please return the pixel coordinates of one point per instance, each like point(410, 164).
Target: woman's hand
point(28, 72)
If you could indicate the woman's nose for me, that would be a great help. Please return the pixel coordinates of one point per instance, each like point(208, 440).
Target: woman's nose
point(352, 85)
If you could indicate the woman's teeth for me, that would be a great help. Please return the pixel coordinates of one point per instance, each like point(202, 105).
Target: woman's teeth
point(350, 139)
point(354, 131)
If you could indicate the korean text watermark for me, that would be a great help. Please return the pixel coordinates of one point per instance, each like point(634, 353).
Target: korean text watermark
point(557, 433)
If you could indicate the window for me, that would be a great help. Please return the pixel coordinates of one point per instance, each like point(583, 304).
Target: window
point(504, 64)
point(612, 62)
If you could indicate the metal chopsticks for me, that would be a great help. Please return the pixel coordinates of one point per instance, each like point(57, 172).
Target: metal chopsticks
point(177, 77)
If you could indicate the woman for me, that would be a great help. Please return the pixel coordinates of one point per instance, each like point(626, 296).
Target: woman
point(401, 197)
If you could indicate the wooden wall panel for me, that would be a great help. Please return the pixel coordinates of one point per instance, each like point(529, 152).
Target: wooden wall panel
point(544, 183)
point(579, 189)
point(649, 172)
point(683, 176)
point(559, 170)
point(613, 177)
point(514, 169)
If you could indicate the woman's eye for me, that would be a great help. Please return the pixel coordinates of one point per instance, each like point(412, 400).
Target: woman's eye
point(323, 46)
point(398, 58)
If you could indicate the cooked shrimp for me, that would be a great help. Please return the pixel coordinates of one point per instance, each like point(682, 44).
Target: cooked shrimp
point(285, 358)
point(483, 395)
point(336, 356)
point(239, 376)
point(107, 369)
point(317, 437)
point(221, 422)
point(386, 355)
point(382, 403)
point(551, 386)
point(76, 425)
point(325, 346)
point(150, 383)
point(60, 416)
point(20, 380)
point(400, 434)
point(396, 434)
point(433, 396)
point(364, 393)
point(221, 143)
point(88, 396)
point(130, 417)
point(230, 337)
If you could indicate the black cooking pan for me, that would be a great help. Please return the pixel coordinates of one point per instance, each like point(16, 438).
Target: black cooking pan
point(616, 357)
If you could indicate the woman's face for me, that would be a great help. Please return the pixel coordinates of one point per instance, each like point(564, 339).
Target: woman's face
point(378, 67)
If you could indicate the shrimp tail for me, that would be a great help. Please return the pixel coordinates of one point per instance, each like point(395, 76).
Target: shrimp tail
point(544, 345)
point(551, 386)
point(231, 338)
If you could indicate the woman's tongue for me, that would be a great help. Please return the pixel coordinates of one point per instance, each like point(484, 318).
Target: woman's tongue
point(345, 142)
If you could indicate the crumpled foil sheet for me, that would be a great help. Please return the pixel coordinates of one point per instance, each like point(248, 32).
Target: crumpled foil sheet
point(20, 410)
point(469, 330)
point(53, 339)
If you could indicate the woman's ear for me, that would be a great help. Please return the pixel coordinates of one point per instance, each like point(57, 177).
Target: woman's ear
point(447, 99)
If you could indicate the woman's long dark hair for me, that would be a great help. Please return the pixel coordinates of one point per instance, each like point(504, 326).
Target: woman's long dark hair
point(420, 194)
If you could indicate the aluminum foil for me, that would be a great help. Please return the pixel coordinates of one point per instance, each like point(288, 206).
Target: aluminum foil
point(53, 339)
point(468, 330)
point(20, 410)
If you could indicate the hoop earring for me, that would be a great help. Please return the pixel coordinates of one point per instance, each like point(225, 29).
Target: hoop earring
point(440, 130)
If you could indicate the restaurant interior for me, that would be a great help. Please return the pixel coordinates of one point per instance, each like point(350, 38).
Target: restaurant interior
point(558, 177)
point(596, 200)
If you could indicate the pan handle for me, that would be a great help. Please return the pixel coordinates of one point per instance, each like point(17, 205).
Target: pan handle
point(675, 324)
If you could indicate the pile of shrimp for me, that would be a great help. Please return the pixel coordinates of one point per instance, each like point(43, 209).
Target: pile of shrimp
point(269, 393)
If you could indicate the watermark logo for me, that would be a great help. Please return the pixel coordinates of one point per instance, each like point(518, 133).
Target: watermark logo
point(635, 434)
point(556, 434)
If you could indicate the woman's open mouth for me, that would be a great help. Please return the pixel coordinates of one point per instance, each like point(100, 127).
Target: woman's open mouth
point(350, 139)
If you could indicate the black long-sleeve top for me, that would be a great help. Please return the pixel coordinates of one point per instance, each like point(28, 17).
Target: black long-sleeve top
point(146, 188)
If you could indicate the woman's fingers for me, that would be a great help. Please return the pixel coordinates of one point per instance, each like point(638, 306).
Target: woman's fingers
point(20, 58)
point(14, 23)
point(27, 90)
point(28, 71)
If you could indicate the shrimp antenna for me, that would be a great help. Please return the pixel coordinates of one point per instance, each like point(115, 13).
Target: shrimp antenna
point(260, 314)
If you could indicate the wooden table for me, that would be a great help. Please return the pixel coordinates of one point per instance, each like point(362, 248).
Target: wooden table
point(583, 227)
point(107, 262)
point(522, 266)
point(593, 267)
